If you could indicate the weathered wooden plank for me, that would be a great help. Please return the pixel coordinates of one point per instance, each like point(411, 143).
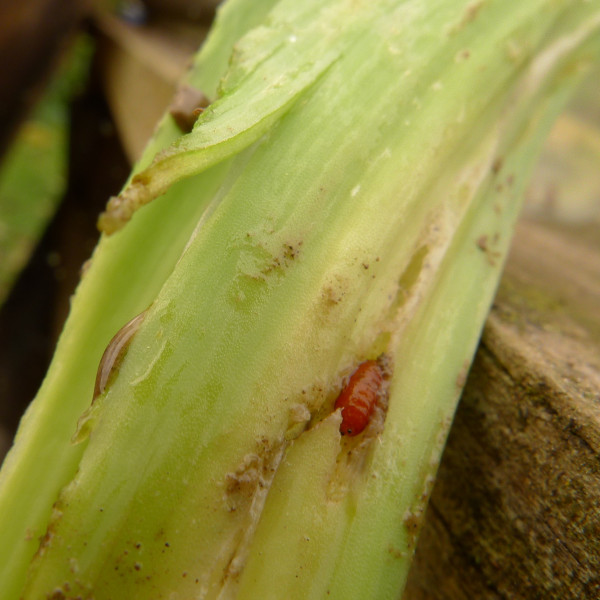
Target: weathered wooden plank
point(515, 512)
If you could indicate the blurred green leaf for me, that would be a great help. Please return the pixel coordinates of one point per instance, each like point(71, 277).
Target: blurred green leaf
point(33, 175)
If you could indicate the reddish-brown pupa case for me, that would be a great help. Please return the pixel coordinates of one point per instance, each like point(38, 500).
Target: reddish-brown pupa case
point(357, 399)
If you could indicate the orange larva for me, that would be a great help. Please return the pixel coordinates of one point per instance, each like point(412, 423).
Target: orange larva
point(357, 399)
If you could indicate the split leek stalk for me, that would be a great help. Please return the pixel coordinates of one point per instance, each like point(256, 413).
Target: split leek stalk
point(349, 195)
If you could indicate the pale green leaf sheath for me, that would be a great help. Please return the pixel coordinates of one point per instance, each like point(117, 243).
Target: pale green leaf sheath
point(121, 280)
point(373, 176)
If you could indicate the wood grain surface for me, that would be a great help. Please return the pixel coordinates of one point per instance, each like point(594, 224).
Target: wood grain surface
point(515, 511)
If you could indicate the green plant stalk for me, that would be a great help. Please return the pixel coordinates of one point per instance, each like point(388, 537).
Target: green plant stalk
point(340, 233)
point(121, 280)
point(360, 545)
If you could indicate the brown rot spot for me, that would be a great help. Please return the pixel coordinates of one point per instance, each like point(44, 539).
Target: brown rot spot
point(47, 538)
point(396, 553)
point(463, 55)
point(485, 245)
point(332, 295)
point(468, 16)
point(114, 353)
point(412, 523)
point(471, 12)
point(497, 165)
point(187, 105)
point(291, 251)
point(282, 259)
